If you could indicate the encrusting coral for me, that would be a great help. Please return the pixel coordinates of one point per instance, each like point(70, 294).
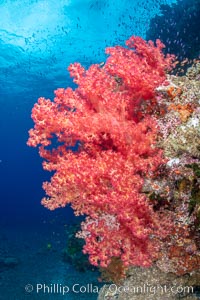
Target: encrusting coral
point(180, 141)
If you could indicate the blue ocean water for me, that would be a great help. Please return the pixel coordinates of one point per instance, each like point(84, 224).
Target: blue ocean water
point(38, 40)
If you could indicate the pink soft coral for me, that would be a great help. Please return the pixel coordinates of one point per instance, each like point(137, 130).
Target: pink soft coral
point(104, 178)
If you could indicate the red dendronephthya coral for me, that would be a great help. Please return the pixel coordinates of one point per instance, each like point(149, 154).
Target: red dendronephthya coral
point(116, 151)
